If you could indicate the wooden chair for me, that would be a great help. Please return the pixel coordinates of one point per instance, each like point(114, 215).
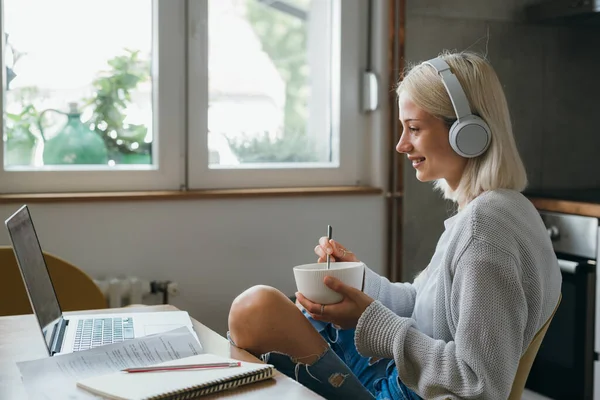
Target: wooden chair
point(74, 288)
point(527, 359)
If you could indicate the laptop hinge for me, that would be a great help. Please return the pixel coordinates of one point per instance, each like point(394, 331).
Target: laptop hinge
point(58, 335)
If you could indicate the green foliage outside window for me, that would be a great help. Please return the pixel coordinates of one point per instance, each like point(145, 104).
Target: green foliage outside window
point(283, 37)
point(125, 142)
point(261, 149)
point(20, 140)
point(20, 128)
point(111, 98)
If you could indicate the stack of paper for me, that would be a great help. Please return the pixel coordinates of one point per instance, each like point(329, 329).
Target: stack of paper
point(55, 378)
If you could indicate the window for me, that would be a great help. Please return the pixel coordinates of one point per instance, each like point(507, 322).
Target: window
point(156, 94)
point(123, 65)
point(266, 96)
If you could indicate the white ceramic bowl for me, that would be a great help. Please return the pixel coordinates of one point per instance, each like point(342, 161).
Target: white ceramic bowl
point(309, 279)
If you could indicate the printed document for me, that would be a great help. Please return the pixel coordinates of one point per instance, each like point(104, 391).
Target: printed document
point(54, 378)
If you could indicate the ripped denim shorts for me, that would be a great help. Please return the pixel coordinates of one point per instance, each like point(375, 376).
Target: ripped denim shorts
point(341, 372)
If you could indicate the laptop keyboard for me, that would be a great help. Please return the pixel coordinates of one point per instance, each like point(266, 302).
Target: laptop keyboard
point(94, 332)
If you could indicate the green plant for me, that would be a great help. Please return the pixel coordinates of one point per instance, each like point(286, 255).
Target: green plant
point(111, 98)
point(22, 125)
point(260, 149)
point(283, 38)
point(20, 129)
point(20, 140)
point(19, 125)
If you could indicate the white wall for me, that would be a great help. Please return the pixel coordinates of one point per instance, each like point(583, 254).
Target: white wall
point(214, 249)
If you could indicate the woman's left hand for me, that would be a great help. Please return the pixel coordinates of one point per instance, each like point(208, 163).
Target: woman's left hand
point(346, 313)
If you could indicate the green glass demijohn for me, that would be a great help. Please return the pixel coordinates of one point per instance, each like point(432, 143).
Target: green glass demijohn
point(75, 143)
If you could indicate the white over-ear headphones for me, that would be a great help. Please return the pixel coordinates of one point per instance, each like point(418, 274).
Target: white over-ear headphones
point(469, 134)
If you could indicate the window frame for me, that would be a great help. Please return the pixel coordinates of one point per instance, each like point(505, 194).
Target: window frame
point(168, 97)
point(180, 88)
point(347, 116)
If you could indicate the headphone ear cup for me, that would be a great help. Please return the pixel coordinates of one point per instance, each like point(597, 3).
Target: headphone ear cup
point(470, 137)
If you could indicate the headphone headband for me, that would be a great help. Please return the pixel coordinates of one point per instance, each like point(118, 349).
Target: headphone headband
point(469, 135)
point(453, 87)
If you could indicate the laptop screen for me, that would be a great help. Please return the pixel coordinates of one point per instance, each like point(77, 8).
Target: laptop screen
point(33, 268)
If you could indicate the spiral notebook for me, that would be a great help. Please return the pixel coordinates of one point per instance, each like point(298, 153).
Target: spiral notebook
point(173, 385)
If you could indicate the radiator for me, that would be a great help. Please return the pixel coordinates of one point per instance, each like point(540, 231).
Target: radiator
point(124, 291)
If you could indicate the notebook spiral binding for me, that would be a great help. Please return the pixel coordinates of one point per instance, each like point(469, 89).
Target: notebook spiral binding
point(215, 386)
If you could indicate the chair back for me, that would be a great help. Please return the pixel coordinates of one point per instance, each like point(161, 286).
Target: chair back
point(527, 359)
point(74, 288)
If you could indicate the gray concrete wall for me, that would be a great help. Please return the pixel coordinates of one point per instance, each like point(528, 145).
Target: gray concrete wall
point(550, 76)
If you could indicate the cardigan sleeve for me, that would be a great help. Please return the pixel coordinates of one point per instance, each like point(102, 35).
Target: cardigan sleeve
point(487, 314)
point(398, 297)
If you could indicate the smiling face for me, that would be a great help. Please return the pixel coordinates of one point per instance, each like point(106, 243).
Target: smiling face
point(425, 141)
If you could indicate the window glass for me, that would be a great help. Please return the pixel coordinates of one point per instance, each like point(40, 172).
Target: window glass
point(78, 87)
point(269, 78)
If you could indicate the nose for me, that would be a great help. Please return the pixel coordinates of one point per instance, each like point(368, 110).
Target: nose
point(404, 145)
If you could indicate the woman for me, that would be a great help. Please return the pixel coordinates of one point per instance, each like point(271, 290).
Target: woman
point(459, 330)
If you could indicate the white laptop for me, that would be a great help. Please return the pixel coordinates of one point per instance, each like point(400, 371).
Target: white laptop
point(66, 333)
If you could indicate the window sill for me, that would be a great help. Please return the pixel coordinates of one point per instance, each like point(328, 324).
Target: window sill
point(188, 195)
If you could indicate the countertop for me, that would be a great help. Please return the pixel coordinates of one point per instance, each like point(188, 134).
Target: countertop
point(580, 202)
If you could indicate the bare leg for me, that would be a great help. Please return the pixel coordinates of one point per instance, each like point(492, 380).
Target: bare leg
point(262, 319)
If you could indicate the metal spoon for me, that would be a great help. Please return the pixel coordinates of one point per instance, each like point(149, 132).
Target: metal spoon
point(329, 235)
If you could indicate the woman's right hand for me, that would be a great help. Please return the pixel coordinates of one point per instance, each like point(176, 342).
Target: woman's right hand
point(335, 250)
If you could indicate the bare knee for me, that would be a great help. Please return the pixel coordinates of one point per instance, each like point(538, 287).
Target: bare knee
point(254, 310)
point(256, 299)
point(262, 319)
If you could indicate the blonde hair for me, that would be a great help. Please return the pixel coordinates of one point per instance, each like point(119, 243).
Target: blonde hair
point(500, 167)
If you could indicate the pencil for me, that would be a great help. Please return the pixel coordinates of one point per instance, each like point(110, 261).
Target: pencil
point(184, 367)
